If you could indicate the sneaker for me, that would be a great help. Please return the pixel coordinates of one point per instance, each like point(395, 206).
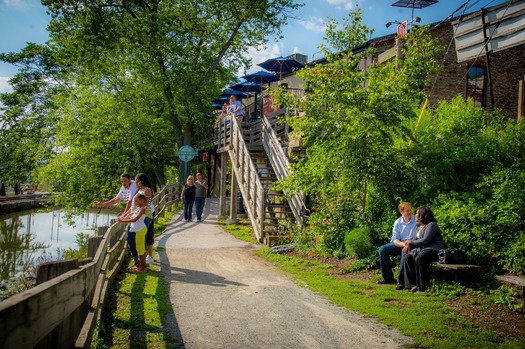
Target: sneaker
point(385, 281)
point(400, 286)
point(149, 260)
point(139, 270)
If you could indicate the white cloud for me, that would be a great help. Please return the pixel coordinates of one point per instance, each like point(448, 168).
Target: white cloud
point(4, 84)
point(260, 54)
point(315, 24)
point(345, 4)
point(22, 4)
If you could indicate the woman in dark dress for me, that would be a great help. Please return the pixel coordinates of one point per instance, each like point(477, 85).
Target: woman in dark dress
point(188, 197)
point(422, 250)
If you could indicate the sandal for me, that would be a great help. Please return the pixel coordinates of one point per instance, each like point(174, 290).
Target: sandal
point(139, 270)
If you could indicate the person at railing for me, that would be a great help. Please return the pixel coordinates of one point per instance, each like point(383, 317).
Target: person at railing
point(127, 192)
point(224, 112)
point(200, 195)
point(188, 197)
point(144, 186)
point(235, 109)
point(136, 236)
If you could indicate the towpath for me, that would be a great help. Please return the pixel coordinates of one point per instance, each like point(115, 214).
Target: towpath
point(225, 296)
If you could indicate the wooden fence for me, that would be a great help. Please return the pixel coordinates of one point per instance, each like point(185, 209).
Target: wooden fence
point(64, 311)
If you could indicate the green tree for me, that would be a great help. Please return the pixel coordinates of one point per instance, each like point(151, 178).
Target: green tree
point(26, 133)
point(186, 50)
point(350, 122)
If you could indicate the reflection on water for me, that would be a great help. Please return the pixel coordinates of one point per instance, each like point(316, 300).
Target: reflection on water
point(29, 235)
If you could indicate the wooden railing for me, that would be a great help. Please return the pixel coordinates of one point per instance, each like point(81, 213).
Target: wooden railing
point(63, 312)
point(281, 165)
point(251, 131)
point(247, 178)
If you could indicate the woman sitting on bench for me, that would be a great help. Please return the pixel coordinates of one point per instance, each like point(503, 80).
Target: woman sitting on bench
point(422, 250)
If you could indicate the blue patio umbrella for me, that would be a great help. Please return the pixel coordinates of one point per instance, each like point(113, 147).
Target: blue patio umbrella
point(281, 65)
point(236, 93)
point(261, 77)
point(217, 105)
point(221, 100)
point(248, 86)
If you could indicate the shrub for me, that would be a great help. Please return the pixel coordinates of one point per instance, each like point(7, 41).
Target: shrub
point(357, 242)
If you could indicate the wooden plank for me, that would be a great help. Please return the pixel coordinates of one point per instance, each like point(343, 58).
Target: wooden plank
point(49, 270)
point(513, 279)
point(28, 317)
point(84, 338)
point(457, 266)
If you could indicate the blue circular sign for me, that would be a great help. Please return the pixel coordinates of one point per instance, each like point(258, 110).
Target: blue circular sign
point(186, 153)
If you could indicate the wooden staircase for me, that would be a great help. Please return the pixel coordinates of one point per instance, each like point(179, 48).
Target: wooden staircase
point(258, 161)
point(278, 211)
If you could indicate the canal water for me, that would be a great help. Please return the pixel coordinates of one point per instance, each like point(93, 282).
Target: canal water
point(31, 237)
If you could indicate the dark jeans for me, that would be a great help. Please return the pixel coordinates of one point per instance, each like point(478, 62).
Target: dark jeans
point(416, 268)
point(130, 238)
point(188, 207)
point(385, 252)
point(199, 206)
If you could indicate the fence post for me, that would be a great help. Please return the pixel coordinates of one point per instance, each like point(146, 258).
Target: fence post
point(93, 243)
point(49, 270)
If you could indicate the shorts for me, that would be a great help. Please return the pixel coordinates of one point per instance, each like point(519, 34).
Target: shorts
point(150, 235)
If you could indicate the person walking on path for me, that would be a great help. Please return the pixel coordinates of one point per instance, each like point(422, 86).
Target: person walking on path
point(188, 197)
point(201, 191)
point(402, 233)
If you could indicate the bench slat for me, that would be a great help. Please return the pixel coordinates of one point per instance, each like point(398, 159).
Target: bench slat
point(513, 279)
point(457, 266)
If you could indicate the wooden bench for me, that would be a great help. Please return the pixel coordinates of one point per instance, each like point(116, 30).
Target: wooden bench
point(516, 280)
point(457, 268)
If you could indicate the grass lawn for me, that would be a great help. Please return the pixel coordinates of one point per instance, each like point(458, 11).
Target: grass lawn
point(138, 304)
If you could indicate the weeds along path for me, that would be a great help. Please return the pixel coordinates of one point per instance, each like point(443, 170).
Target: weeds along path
point(224, 296)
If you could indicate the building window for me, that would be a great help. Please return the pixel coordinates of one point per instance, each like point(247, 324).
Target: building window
point(477, 85)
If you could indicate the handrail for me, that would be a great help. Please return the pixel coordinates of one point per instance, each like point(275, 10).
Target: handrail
point(247, 178)
point(281, 165)
point(72, 298)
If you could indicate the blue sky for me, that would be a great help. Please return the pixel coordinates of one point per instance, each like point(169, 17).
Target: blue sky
point(23, 21)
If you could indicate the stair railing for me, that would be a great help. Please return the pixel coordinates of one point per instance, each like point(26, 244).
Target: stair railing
point(247, 178)
point(281, 167)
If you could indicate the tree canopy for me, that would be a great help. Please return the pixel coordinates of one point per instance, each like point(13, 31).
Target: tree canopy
point(137, 78)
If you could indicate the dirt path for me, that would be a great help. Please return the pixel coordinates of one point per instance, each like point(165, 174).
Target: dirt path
point(224, 296)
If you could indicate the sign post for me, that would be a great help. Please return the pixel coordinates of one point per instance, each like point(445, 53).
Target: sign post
point(186, 153)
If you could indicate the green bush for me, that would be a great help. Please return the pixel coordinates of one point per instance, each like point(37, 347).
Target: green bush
point(357, 242)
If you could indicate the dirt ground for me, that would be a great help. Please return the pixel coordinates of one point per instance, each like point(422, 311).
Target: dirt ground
point(508, 323)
